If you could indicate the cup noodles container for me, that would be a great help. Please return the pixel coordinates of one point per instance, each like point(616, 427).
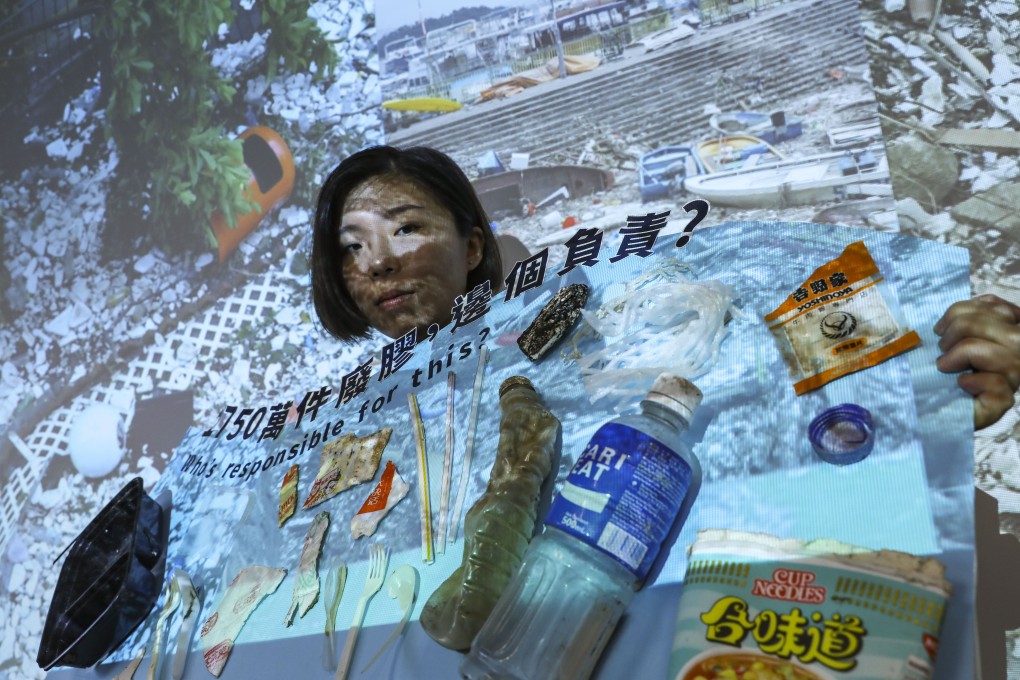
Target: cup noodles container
point(758, 607)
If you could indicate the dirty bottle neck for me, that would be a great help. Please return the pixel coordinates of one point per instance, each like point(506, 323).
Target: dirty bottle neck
point(516, 389)
point(670, 417)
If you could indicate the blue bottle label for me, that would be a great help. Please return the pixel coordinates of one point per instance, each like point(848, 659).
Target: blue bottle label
point(622, 495)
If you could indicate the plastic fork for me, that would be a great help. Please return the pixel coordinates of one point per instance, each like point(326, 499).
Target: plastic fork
point(173, 601)
point(402, 585)
point(377, 563)
point(336, 578)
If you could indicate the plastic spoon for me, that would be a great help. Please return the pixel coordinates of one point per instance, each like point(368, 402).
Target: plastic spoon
point(402, 586)
point(129, 672)
point(190, 605)
point(336, 578)
point(173, 601)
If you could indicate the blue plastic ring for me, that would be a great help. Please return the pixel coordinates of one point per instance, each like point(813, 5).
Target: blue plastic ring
point(843, 434)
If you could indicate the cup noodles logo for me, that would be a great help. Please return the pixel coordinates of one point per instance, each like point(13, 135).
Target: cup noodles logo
point(791, 585)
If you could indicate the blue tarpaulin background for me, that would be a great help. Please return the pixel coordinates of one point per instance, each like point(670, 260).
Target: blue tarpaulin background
point(913, 493)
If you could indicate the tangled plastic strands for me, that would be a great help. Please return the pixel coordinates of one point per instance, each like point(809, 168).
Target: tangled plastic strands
point(661, 322)
point(609, 322)
point(427, 555)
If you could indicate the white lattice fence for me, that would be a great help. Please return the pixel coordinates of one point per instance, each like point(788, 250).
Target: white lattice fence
point(180, 361)
point(49, 438)
point(22, 483)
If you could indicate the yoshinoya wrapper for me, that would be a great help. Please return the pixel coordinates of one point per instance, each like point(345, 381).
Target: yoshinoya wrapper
point(840, 320)
point(793, 610)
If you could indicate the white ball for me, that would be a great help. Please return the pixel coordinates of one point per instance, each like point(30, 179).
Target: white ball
point(96, 440)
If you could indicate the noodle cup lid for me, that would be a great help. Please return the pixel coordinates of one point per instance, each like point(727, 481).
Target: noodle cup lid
point(675, 393)
point(843, 434)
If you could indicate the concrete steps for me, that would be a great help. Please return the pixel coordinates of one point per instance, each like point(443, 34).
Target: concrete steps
point(659, 98)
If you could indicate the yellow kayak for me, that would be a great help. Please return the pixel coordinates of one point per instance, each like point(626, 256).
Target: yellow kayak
point(421, 104)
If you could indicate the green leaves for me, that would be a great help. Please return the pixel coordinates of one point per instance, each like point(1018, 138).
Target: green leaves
point(167, 108)
point(295, 39)
point(186, 197)
point(190, 181)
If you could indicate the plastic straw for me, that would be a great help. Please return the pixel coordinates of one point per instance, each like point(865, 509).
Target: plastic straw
point(469, 443)
point(444, 497)
point(423, 481)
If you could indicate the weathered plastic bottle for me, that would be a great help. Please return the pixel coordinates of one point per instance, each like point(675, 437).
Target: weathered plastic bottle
point(499, 526)
point(604, 530)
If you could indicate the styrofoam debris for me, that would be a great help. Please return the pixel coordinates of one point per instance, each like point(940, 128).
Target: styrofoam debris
point(72, 317)
point(908, 51)
point(1003, 8)
point(1004, 70)
point(145, 263)
point(203, 261)
point(57, 149)
point(934, 110)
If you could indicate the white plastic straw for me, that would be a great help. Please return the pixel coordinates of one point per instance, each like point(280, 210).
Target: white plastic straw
point(444, 497)
point(469, 442)
point(423, 480)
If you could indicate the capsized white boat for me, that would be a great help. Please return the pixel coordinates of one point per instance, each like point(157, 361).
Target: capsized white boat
point(799, 181)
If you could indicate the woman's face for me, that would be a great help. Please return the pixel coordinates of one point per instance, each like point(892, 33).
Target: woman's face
point(403, 260)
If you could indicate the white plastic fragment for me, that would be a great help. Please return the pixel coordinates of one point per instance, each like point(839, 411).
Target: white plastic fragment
point(1003, 8)
point(934, 110)
point(203, 261)
point(1004, 70)
point(908, 51)
point(145, 263)
point(70, 318)
point(56, 149)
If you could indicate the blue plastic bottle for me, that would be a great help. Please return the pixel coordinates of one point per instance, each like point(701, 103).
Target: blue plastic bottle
point(633, 480)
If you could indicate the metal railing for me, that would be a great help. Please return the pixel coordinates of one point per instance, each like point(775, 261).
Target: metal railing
point(605, 44)
point(601, 44)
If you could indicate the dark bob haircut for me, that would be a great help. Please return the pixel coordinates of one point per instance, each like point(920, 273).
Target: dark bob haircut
point(430, 170)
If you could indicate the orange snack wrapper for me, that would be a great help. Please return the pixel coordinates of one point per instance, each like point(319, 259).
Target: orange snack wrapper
point(390, 490)
point(288, 494)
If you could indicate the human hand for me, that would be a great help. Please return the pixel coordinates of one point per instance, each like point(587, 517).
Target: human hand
point(983, 334)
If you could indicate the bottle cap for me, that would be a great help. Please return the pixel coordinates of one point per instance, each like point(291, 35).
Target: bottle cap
point(515, 381)
point(843, 434)
point(675, 393)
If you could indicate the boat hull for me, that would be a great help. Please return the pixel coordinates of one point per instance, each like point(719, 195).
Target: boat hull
point(770, 128)
point(664, 170)
point(805, 181)
point(509, 190)
point(731, 152)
